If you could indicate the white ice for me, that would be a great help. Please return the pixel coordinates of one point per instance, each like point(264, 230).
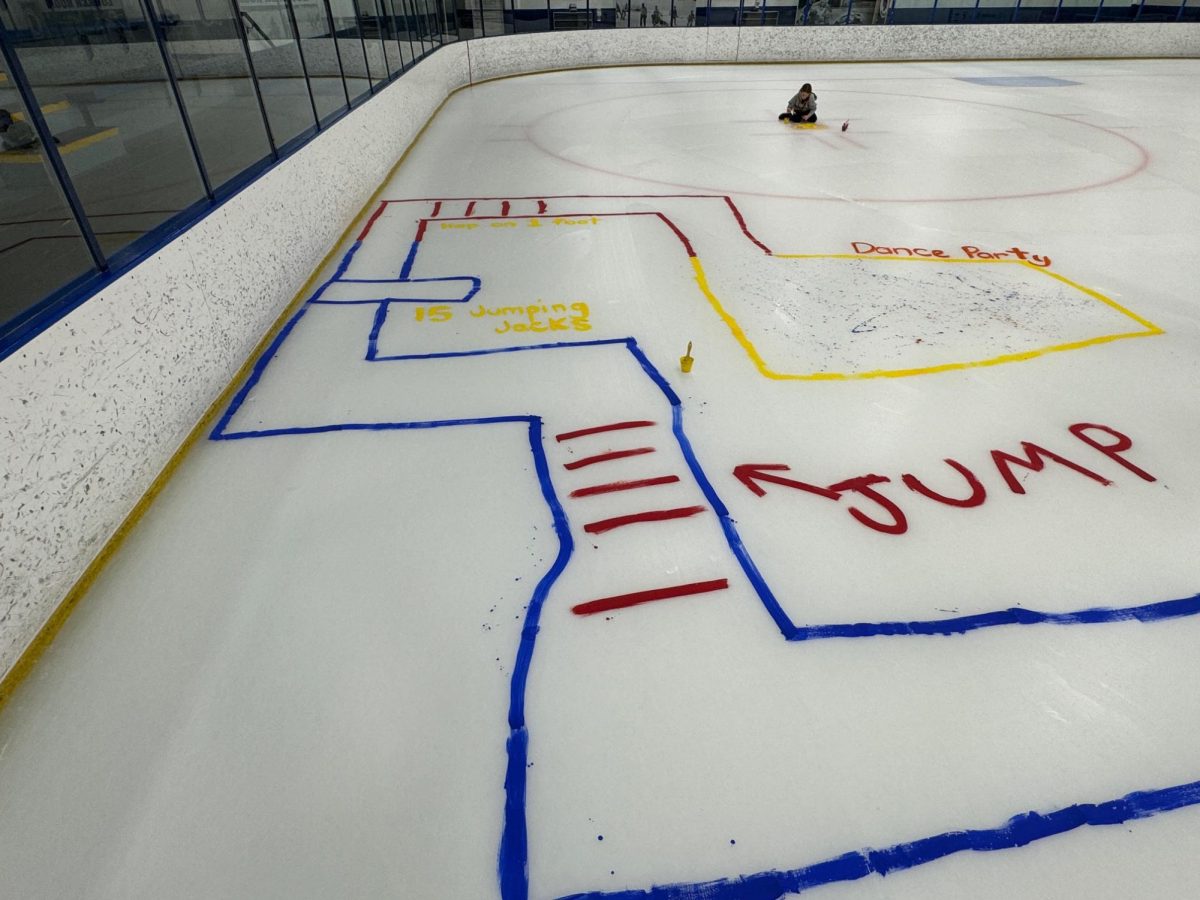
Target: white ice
point(303, 674)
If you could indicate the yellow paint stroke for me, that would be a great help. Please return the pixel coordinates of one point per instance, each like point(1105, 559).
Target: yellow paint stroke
point(26, 157)
point(57, 106)
point(756, 358)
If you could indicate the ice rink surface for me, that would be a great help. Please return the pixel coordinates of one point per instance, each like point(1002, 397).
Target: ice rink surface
point(475, 593)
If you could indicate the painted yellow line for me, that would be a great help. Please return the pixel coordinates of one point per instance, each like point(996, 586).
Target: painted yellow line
point(57, 106)
point(87, 141)
point(729, 320)
point(46, 634)
point(943, 259)
point(26, 157)
point(751, 351)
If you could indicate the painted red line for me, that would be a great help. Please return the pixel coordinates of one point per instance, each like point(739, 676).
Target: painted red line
point(737, 214)
point(541, 206)
point(437, 208)
point(605, 457)
point(624, 485)
point(371, 221)
point(621, 601)
point(421, 225)
point(654, 515)
point(616, 426)
point(679, 234)
point(470, 207)
point(504, 207)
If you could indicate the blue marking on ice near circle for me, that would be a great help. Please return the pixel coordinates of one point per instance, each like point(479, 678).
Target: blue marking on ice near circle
point(1019, 81)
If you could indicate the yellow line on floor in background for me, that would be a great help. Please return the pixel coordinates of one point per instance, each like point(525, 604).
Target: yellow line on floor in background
point(47, 633)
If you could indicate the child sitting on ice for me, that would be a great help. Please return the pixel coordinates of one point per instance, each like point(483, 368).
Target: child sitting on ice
point(802, 107)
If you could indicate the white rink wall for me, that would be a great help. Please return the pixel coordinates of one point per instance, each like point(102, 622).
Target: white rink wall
point(93, 408)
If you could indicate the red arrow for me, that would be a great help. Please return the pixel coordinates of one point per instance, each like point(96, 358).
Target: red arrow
point(750, 474)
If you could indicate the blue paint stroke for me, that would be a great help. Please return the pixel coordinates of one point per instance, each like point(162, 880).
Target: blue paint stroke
point(1150, 612)
point(362, 426)
point(1016, 832)
point(255, 374)
point(455, 354)
point(376, 326)
point(732, 538)
point(513, 859)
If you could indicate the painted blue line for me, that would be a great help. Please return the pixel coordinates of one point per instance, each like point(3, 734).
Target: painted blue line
point(255, 374)
point(475, 282)
point(364, 426)
point(732, 538)
point(1150, 612)
point(1016, 832)
point(459, 353)
point(376, 326)
point(370, 302)
point(513, 858)
point(346, 260)
point(409, 260)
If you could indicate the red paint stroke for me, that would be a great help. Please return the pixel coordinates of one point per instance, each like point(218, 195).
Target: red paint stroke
point(1034, 460)
point(622, 601)
point(1111, 450)
point(750, 474)
point(421, 225)
point(371, 221)
point(862, 485)
point(504, 207)
point(737, 214)
point(616, 426)
point(470, 208)
point(624, 485)
point(541, 206)
point(687, 245)
point(679, 234)
point(653, 515)
point(605, 457)
point(437, 208)
point(978, 492)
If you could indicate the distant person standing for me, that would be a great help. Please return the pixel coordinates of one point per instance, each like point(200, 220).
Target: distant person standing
point(691, 17)
point(642, 22)
point(15, 135)
point(674, 14)
point(802, 107)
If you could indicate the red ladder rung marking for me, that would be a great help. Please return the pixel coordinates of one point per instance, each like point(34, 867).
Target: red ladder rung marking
point(624, 485)
point(605, 457)
point(653, 515)
point(621, 601)
point(470, 207)
point(599, 429)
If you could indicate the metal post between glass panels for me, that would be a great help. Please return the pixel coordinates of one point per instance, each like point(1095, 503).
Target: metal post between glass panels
point(239, 24)
point(161, 40)
point(337, 50)
point(358, 21)
point(303, 63)
point(46, 138)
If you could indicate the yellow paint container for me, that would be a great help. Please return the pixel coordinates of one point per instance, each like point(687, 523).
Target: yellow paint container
point(685, 361)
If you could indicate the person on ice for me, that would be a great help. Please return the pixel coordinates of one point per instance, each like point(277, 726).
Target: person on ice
point(802, 107)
